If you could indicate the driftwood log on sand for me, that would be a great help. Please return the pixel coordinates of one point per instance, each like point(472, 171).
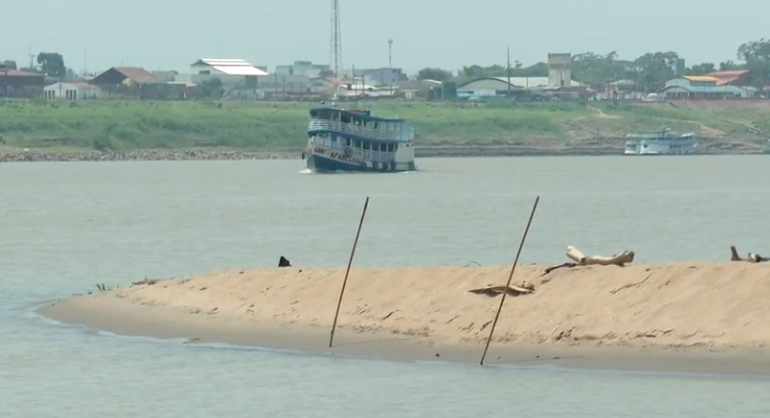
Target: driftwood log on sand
point(513, 290)
point(619, 259)
point(751, 258)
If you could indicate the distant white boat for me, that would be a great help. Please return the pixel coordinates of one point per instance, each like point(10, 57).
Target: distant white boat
point(663, 142)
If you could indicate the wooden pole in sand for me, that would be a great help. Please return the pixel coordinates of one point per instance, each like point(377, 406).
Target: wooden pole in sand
point(510, 277)
point(347, 272)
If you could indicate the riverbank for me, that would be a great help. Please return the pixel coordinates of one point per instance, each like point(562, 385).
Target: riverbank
point(197, 154)
point(107, 130)
point(8, 155)
point(678, 316)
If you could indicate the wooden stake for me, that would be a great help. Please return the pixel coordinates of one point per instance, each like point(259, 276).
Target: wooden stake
point(347, 272)
point(510, 277)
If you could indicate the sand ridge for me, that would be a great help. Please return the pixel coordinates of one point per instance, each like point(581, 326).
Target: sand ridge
point(685, 305)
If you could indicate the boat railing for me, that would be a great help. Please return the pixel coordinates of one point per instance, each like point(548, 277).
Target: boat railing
point(358, 154)
point(653, 137)
point(405, 134)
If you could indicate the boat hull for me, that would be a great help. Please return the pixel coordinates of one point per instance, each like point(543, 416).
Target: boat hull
point(321, 163)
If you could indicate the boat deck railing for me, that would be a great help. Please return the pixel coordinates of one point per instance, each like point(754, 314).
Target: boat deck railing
point(357, 153)
point(405, 134)
point(687, 136)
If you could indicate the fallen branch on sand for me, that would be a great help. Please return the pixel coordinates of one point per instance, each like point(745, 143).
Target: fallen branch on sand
point(513, 290)
point(619, 259)
point(563, 265)
point(751, 258)
point(146, 281)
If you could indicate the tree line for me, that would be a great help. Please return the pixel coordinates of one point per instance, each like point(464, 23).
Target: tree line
point(647, 71)
point(48, 63)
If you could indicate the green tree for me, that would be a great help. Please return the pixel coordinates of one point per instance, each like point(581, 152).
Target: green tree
point(654, 68)
point(756, 55)
point(518, 70)
point(730, 65)
point(700, 69)
point(52, 63)
point(539, 69)
point(10, 64)
point(434, 74)
point(592, 68)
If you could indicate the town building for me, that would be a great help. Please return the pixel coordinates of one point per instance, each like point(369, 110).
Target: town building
point(305, 68)
point(22, 84)
point(559, 69)
point(222, 66)
point(137, 83)
point(382, 76)
point(73, 90)
point(703, 87)
point(419, 89)
point(234, 73)
point(733, 77)
point(499, 86)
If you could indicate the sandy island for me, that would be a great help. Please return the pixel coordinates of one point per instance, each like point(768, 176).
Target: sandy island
point(674, 316)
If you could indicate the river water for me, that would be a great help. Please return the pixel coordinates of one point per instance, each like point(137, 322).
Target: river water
point(66, 226)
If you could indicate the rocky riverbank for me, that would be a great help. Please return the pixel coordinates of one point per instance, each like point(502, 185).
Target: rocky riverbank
point(46, 155)
point(595, 147)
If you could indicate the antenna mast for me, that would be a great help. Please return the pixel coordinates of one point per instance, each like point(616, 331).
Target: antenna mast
point(336, 40)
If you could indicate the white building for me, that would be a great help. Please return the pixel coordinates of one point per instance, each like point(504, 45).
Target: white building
point(306, 68)
point(498, 86)
point(215, 66)
point(559, 69)
point(234, 73)
point(73, 90)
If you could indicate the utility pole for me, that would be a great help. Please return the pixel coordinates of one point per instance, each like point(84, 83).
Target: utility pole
point(390, 65)
point(336, 40)
point(509, 72)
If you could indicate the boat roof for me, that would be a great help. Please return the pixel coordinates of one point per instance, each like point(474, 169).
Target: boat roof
point(357, 113)
point(660, 134)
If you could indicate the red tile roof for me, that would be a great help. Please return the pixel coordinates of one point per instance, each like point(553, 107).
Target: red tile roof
point(730, 73)
point(138, 75)
point(727, 77)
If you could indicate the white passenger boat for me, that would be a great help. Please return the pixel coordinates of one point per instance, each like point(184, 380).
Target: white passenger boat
point(662, 142)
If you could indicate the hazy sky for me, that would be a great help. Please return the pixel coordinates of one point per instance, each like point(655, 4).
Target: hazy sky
point(171, 34)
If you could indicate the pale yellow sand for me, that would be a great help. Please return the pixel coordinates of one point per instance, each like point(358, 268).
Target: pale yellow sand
point(417, 312)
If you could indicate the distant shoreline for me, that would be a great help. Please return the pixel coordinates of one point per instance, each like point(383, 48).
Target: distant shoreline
point(213, 154)
point(396, 314)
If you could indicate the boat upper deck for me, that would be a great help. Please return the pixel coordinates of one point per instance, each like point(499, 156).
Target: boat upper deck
point(665, 135)
point(354, 114)
point(359, 124)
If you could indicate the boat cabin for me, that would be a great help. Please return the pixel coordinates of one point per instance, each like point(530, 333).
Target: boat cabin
point(361, 118)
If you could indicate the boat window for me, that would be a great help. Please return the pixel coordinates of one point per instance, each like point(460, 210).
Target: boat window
point(345, 118)
point(366, 145)
point(376, 125)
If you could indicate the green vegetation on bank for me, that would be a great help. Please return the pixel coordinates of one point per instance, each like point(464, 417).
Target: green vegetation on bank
point(126, 125)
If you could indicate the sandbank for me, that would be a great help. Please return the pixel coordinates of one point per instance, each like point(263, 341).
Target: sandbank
point(705, 317)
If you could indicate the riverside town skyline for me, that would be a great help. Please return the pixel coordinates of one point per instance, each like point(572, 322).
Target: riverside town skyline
point(444, 34)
